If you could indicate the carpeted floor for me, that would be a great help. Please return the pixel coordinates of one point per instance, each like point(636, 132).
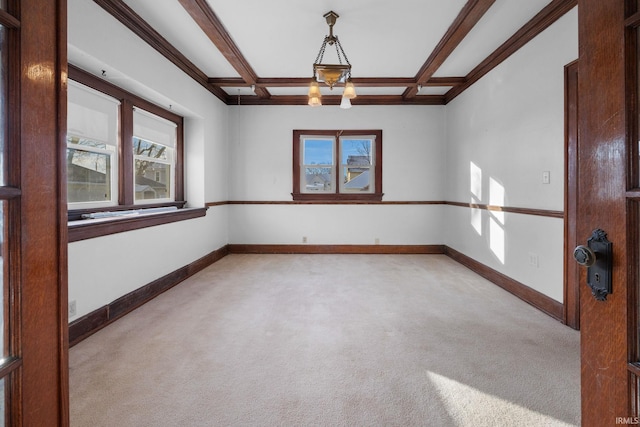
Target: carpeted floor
point(329, 340)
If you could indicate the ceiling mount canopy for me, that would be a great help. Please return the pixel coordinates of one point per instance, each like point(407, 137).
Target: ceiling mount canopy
point(331, 74)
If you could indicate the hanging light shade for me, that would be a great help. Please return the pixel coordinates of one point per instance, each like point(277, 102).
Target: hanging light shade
point(332, 74)
point(314, 101)
point(345, 103)
point(349, 90)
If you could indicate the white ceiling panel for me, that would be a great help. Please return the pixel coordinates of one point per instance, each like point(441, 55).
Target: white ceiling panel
point(497, 25)
point(170, 19)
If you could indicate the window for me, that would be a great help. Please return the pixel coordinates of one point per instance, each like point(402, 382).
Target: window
point(332, 165)
point(123, 152)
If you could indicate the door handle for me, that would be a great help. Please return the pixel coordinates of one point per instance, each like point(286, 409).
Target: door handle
point(597, 256)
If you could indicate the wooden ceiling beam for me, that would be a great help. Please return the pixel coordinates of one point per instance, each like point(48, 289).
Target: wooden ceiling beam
point(336, 99)
point(123, 13)
point(208, 21)
point(547, 16)
point(358, 81)
point(468, 17)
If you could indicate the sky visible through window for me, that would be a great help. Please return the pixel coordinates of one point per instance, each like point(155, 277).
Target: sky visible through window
point(320, 151)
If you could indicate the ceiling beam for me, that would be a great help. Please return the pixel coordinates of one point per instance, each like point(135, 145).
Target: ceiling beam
point(547, 16)
point(468, 17)
point(358, 81)
point(204, 16)
point(123, 13)
point(336, 99)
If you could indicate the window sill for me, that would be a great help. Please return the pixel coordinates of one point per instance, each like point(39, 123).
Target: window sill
point(337, 198)
point(90, 228)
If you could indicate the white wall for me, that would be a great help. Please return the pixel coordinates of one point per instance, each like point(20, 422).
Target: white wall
point(502, 133)
point(261, 144)
point(105, 268)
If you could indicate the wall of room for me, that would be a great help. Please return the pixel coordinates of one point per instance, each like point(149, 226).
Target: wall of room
point(502, 134)
point(260, 169)
point(105, 268)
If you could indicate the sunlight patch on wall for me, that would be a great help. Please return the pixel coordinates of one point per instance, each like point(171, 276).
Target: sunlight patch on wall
point(496, 222)
point(475, 187)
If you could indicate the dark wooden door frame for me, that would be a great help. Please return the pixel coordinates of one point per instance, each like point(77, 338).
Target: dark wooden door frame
point(605, 340)
point(571, 303)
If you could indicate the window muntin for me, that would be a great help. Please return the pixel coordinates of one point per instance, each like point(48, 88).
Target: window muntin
point(337, 165)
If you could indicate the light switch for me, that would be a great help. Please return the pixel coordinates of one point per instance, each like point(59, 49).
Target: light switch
point(546, 177)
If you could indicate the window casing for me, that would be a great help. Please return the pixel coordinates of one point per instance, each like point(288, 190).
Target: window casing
point(337, 165)
point(142, 168)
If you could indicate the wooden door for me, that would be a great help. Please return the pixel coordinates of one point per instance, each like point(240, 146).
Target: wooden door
point(609, 199)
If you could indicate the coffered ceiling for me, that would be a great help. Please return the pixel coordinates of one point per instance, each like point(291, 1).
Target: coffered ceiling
point(257, 52)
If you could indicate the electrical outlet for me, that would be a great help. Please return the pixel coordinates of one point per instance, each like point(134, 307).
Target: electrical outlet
point(304, 239)
point(546, 177)
point(533, 260)
point(72, 308)
point(377, 240)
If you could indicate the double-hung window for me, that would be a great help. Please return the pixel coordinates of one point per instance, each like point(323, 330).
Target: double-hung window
point(337, 165)
point(123, 153)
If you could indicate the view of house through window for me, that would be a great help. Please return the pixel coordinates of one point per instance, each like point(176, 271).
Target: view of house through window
point(337, 163)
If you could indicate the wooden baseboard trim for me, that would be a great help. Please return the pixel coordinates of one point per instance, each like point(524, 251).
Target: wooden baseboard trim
point(336, 249)
point(537, 299)
point(91, 323)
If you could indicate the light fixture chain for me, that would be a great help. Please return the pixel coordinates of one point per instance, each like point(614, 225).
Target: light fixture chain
point(342, 50)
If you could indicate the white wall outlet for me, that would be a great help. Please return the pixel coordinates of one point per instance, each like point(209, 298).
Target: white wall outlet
point(546, 177)
point(72, 308)
point(304, 239)
point(377, 240)
point(533, 260)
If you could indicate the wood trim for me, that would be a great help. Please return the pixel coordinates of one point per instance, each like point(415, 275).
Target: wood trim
point(509, 209)
point(91, 323)
point(9, 193)
point(91, 230)
point(537, 299)
point(336, 249)
point(363, 81)
point(523, 211)
point(545, 18)
point(335, 100)
point(331, 202)
point(41, 286)
point(7, 20)
point(571, 272)
point(206, 18)
point(123, 13)
point(468, 17)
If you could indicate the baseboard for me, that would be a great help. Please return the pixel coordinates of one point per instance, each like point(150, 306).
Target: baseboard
point(91, 323)
point(537, 299)
point(337, 249)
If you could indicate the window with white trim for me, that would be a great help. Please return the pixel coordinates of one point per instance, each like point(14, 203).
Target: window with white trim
point(337, 165)
point(92, 147)
point(154, 142)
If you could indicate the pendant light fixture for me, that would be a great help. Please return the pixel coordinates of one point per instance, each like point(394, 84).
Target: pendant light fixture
point(331, 74)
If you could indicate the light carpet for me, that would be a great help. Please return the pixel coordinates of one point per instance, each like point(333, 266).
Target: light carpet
point(329, 340)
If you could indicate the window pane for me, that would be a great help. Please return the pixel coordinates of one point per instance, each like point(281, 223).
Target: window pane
point(149, 149)
point(357, 179)
point(3, 90)
point(88, 176)
point(318, 179)
point(317, 152)
point(153, 180)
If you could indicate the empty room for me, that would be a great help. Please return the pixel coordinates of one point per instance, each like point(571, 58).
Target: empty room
point(342, 214)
